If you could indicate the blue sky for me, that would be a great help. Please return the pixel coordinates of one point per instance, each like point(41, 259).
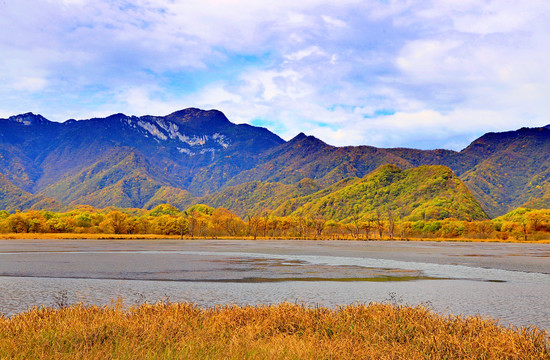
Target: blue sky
point(423, 74)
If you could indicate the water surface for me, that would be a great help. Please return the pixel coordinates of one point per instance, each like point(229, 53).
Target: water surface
point(510, 282)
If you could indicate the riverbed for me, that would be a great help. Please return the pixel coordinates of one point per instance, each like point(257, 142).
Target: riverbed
point(508, 282)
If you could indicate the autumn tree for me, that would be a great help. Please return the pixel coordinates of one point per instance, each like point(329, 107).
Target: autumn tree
point(225, 222)
point(253, 226)
point(36, 221)
point(164, 209)
point(115, 222)
point(166, 225)
point(17, 223)
point(182, 224)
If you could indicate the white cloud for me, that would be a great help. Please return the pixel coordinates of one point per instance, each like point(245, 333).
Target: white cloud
point(304, 53)
point(428, 60)
point(334, 22)
point(445, 70)
point(32, 84)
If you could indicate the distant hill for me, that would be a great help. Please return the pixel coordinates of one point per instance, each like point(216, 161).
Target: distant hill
point(194, 155)
point(514, 170)
point(253, 197)
point(13, 198)
point(429, 192)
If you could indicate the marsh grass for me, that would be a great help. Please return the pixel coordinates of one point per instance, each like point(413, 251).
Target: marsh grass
point(286, 331)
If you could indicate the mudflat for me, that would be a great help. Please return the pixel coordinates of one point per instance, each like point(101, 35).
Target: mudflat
point(504, 256)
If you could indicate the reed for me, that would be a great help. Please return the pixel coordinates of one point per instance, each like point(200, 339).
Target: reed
point(283, 331)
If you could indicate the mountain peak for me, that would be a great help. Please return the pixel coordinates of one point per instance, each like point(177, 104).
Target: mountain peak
point(307, 140)
point(199, 119)
point(299, 137)
point(384, 171)
point(116, 116)
point(29, 119)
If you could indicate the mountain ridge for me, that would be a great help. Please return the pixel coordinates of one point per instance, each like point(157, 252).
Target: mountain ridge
point(194, 154)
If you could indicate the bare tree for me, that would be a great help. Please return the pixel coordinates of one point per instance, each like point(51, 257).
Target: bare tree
point(265, 217)
point(355, 221)
point(391, 222)
point(319, 222)
point(379, 222)
point(367, 226)
point(192, 222)
point(253, 226)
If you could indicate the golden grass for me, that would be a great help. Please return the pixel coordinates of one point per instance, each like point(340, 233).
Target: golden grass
point(98, 236)
point(284, 331)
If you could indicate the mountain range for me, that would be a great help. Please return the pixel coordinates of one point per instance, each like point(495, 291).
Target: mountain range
point(197, 156)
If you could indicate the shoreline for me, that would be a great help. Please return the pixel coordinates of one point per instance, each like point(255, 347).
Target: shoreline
point(96, 236)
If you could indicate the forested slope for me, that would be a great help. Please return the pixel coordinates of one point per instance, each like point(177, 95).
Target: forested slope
point(194, 155)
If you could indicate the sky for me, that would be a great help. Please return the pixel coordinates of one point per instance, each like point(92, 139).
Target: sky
point(387, 73)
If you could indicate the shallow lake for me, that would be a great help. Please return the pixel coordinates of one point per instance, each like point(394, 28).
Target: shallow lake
point(509, 282)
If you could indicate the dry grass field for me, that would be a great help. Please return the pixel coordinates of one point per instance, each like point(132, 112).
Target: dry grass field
point(284, 331)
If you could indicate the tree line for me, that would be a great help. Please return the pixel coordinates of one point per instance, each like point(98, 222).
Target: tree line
point(200, 221)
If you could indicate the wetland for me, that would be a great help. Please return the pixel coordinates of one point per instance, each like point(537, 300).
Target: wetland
point(508, 282)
